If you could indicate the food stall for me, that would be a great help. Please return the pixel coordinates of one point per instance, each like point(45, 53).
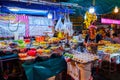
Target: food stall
point(41, 55)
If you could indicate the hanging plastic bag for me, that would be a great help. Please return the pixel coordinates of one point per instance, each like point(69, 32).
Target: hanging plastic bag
point(59, 25)
point(69, 25)
point(55, 16)
point(65, 24)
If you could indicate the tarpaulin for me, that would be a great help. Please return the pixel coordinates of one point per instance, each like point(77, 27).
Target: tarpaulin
point(45, 69)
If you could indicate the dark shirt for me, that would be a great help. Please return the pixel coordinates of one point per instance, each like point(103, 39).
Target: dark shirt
point(98, 38)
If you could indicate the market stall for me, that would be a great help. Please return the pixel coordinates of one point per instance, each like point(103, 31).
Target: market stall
point(42, 40)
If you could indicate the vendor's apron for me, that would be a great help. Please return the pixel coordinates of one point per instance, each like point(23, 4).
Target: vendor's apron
point(92, 49)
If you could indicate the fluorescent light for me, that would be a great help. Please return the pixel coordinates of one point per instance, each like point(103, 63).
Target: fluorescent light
point(91, 10)
point(13, 9)
point(27, 10)
point(33, 10)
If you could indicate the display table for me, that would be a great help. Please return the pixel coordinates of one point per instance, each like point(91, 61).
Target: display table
point(109, 57)
point(79, 71)
point(73, 70)
point(85, 70)
point(79, 68)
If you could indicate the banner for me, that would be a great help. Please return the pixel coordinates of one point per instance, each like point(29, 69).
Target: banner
point(40, 25)
point(9, 24)
point(110, 21)
point(25, 25)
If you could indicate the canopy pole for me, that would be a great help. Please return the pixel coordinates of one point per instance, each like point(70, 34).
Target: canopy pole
point(93, 2)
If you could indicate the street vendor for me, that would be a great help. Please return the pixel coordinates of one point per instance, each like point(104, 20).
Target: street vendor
point(106, 36)
point(92, 40)
point(116, 38)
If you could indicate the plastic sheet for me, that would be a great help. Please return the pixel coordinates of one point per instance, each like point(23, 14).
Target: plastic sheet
point(67, 27)
point(45, 69)
point(59, 25)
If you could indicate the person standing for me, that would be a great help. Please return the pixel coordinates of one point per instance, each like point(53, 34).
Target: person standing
point(116, 38)
point(92, 40)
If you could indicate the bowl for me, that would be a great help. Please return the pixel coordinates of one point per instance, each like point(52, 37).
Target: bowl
point(66, 49)
point(22, 55)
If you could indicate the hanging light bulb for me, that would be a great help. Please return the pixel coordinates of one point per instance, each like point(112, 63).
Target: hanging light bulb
point(116, 9)
point(49, 15)
point(91, 10)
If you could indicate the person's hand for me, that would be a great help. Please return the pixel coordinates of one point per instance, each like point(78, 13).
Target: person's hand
point(93, 44)
point(88, 44)
point(101, 42)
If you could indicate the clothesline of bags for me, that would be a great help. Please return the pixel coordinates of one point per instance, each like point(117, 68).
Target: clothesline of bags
point(66, 27)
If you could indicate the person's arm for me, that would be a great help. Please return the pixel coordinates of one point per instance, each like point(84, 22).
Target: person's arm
point(99, 41)
point(80, 37)
point(85, 41)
